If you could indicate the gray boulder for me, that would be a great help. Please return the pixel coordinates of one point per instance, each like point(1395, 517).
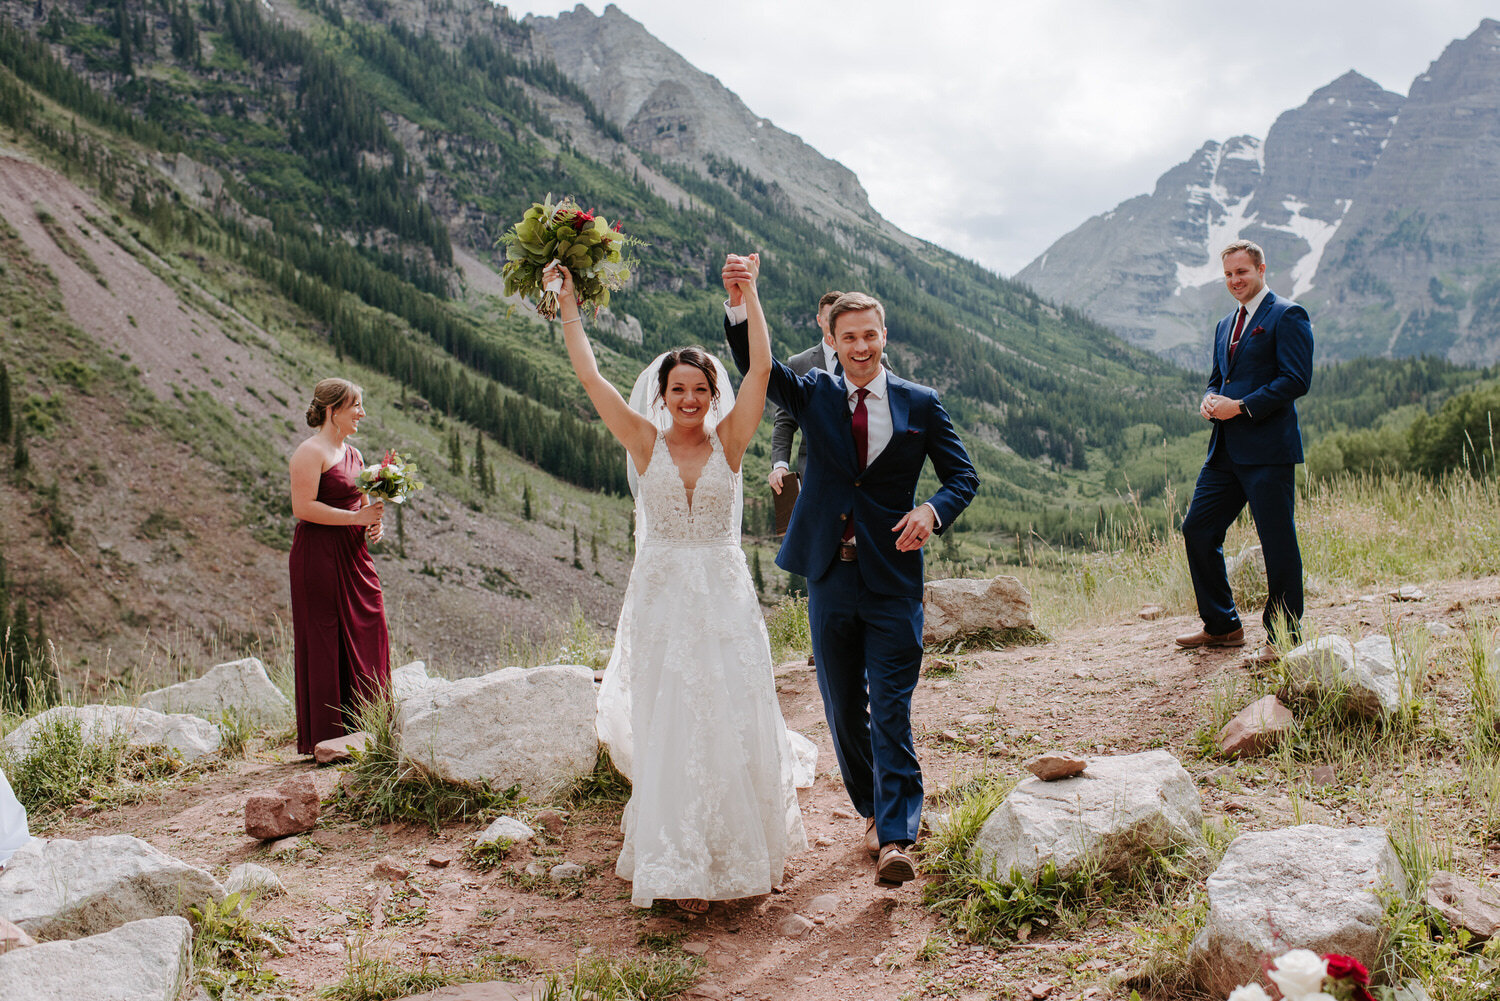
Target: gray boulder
point(146, 960)
point(411, 679)
point(190, 736)
point(240, 687)
point(533, 728)
point(69, 889)
point(1120, 811)
point(1364, 675)
point(1308, 887)
point(960, 607)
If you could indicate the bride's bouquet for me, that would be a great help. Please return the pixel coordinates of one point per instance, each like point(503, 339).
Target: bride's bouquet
point(580, 241)
point(392, 479)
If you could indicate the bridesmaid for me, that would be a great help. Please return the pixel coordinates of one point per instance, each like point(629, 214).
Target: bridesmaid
point(338, 611)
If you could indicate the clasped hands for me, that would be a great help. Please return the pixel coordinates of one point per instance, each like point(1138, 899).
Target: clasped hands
point(740, 273)
point(1219, 408)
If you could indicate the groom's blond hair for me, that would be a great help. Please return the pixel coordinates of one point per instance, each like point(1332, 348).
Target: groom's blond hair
point(853, 302)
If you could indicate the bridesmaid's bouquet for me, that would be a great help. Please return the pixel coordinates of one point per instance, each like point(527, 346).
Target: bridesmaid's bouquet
point(392, 479)
point(580, 241)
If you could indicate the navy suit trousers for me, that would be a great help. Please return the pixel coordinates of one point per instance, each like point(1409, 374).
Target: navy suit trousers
point(1224, 488)
point(868, 648)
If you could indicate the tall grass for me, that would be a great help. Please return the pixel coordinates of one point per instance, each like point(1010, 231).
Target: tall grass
point(1355, 530)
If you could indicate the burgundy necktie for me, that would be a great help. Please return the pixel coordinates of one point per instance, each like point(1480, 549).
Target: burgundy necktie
point(1234, 338)
point(859, 421)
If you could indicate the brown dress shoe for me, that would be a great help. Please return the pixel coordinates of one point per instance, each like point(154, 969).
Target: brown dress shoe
point(1205, 638)
point(872, 840)
point(1263, 656)
point(895, 865)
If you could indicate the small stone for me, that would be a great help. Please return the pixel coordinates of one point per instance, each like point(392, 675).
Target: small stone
point(1215, 774)
point(1465, 904)
point(822, 843)
point(286, 849)
point(1055, 765)
point(824, 903)
point(392, 868)
point(1040, 991)
point(706, 992)
point(291, 808)
point(338, 749)
point(552, 821)
point(1439, 630)
point(974, 719)
point(1235, 806)
point(951, 735)
point(940, 685)
point(842, 814)
point(1150, 612)
point(251, 878)
point(695, 948)
point(507, 829)
point(794, 926)
point(536, 869)
point(439, 861)
point(1257, 728)
point(12, 937)
point(566, 870)
point(1323, 775)
point(1409, 593)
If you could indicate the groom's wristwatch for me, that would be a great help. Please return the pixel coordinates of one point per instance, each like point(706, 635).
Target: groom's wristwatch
point(1243, 409)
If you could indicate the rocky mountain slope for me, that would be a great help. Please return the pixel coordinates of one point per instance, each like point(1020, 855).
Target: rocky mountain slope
point(1378, 211)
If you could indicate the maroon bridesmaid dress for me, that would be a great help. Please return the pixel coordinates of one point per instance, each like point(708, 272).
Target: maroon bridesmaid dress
point(343, 653)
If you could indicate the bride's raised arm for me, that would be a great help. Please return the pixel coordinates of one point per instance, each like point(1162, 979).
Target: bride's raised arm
point(738, 426)
point(633, 430)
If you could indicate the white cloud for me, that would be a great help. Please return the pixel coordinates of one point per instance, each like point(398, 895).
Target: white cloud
point(992, 127)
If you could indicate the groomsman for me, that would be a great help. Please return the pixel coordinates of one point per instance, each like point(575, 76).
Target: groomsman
point(784, 425)
point(1262, 361)
point(857, 536)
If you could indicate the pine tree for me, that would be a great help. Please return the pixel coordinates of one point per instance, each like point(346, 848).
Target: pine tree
point(480, 469)
point(526, 500)
point(755, 572)
point(594, 549)
point(456, 453)
point(21, 456)
point(6, 419)
point(577, 560)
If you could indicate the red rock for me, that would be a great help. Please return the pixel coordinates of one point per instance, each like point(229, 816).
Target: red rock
point(552, 820)
point(12, 937)
point(390, 867)
point(794, 926)
point(338, 749)
point(291, 808)
point(1258, 727)
point(439, 861)
point(1465, 904)
point(1055, 765)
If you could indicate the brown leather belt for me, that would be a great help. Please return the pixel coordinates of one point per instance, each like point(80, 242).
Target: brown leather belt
point(848, 552)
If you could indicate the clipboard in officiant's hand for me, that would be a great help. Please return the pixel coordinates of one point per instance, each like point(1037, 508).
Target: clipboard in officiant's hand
point(791, 485)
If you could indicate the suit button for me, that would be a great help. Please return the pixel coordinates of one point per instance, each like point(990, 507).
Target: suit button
point(843, 517)
point(856, 483)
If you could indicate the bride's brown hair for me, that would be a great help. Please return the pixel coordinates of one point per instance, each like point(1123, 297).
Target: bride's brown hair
point(694, 356)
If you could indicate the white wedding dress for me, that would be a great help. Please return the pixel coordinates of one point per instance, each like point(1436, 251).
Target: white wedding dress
point(688, 703)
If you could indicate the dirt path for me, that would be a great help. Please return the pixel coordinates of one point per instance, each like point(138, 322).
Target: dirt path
point(1114, 688)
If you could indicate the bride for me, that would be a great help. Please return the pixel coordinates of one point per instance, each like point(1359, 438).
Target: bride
point(688, 705)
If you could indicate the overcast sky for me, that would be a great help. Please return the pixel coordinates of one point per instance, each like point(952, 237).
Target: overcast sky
point(992, 127)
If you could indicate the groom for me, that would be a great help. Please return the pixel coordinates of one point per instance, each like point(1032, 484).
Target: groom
point(857, 538)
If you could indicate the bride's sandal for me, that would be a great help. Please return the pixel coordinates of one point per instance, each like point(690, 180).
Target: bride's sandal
point(693, 905)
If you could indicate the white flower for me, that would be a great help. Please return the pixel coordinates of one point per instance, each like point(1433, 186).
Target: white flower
point(1249, 992)
point(1300, 975)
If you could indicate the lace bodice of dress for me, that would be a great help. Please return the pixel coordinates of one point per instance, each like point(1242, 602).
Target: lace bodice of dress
point(664, 503)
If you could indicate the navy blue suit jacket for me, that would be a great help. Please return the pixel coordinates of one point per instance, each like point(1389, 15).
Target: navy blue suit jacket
point(834, 488)
point(1271, 368)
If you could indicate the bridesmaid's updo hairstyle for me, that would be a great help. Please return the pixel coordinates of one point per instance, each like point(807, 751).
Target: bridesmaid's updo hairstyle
point(328, 396)
point(694, 356)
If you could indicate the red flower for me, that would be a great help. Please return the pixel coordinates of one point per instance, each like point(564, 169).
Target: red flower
point(616, 226)
point(1340, 967)
point(582, 219)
